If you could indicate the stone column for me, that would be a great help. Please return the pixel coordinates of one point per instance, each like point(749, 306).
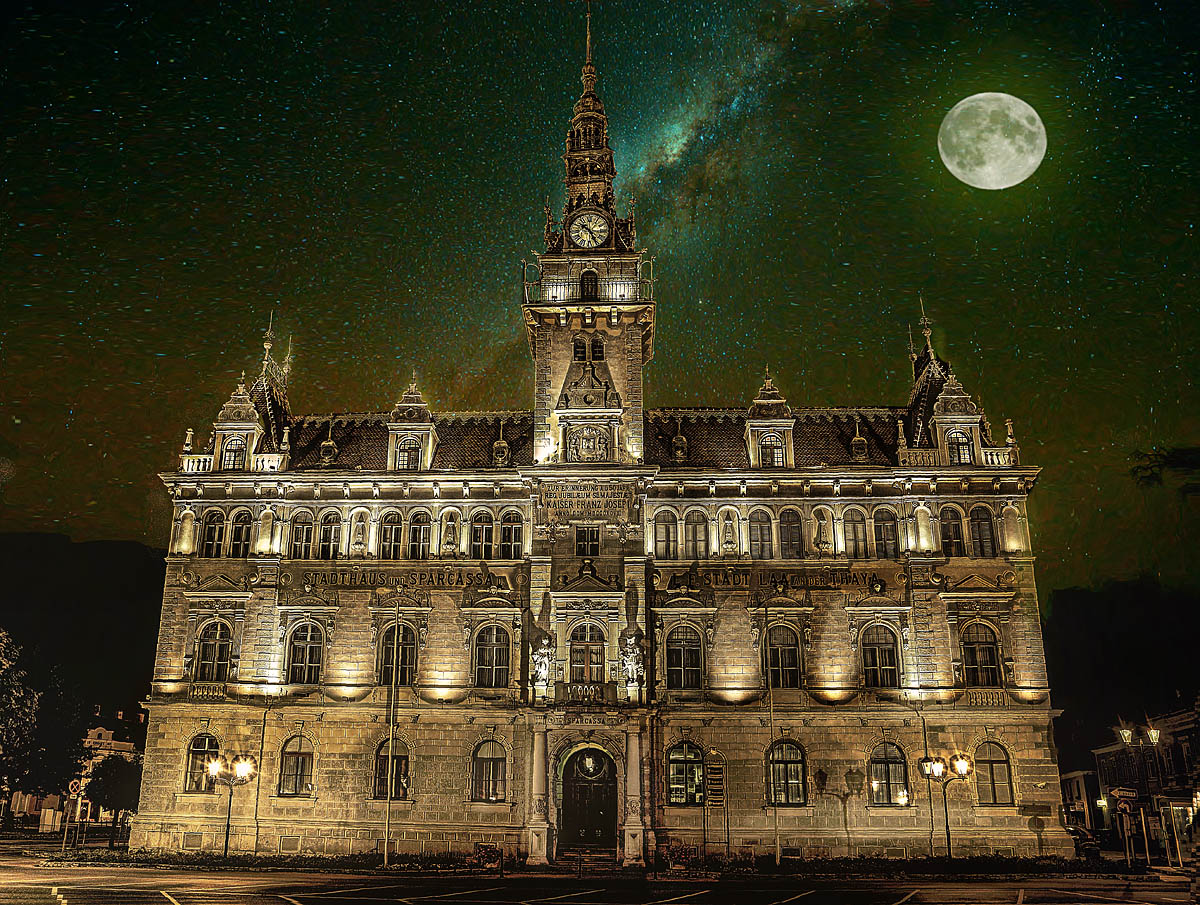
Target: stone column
point(538, 831)
point(634, 842)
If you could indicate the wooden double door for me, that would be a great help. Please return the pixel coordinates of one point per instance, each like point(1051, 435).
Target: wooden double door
point(589, 803)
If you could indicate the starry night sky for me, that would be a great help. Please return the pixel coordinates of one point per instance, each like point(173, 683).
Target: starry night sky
point(373, 173)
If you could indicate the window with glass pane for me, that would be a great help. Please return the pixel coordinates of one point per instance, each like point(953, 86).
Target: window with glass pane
point(959, 448)
point(587, 654)
point(488, 772)
point(212, 653)
point(854, 524)
point(683, 658)
point(771, 451)
point(993, 774)
point(330, 542)
point(239, 536)
point(408, 455)
point(952, 532)
point(398, 645)
point(597, 348)
point(783, 657)
point(481, 536)
point(587, 540)
point(685, 776)
point(397, 766)
point(491, 657)
point(418, 536)
point(296, 767)
point(666, 536)
point(391, 536)
point(202, 749)
point(212, 534)
point(511, 544)
point(880, 663)
point(889, 776)
point(980, 656)
point(695, 536)
point(589, 286)
point(302, 535)
point(887, 535)
point(983, 532)
point(785, 775)
point(233, 454)
point(305, 654)
point(760, 535)
point(791, 535)
point(580, 349)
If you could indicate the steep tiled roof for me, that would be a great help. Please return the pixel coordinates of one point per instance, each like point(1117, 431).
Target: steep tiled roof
point(465, 438)
point(361, 441)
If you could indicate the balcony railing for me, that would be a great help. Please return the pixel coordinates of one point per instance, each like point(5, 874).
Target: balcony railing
point(194, 462)
point(207, 691)
point(1002, 456)
point(585, 693)
point(612, 292)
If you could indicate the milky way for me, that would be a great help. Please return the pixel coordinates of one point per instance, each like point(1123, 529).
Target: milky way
point(373, 173)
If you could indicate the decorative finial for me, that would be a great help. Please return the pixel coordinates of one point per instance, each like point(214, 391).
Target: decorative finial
point(589, 32)
point(269, 336)
point(589, 71)
point(912, 351)
point(926, 329)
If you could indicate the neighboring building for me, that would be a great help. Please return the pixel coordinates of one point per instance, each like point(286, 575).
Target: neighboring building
point(1081, 800)
point(609, 626)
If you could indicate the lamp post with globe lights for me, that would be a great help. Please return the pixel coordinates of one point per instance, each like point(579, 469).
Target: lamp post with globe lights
point(1150, 741)
point(943, 773)
point(236, 772)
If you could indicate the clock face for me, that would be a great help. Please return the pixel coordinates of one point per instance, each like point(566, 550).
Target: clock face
point(589, 230)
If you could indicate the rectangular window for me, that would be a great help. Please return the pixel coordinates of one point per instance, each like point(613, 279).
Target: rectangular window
point(418, 541)
point(685, 783)
point(302, 539)
point(487, 779)
point(887, 543)
point(587, 540)
point(295, 775)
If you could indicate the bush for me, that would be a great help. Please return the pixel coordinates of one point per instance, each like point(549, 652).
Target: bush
point(403, 861)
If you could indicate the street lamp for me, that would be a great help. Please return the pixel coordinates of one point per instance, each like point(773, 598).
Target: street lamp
point(944, 773)
point(237, 772)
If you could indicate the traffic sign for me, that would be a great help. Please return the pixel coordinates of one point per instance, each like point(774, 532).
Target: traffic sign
point(1122, 792)
point(75, 786)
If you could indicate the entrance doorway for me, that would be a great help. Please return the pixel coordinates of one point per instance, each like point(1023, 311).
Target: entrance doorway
point(589, 806)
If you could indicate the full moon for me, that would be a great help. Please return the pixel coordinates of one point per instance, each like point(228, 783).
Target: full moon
point(992, 140)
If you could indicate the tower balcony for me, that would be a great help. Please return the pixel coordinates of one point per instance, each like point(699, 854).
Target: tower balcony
point(610, 292)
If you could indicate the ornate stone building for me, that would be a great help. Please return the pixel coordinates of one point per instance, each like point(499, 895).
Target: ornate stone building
point(596, 624)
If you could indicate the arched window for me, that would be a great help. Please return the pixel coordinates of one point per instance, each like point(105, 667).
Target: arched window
point(579, 352)
point(481, 535)
point(233, 454)
point(239, 536)
point(212, 534)
point(791, 535)
point(418, 536)
point(396, 765)
point(197, 778)
point(952, 532)
point(889, 776)
point(408, 454)
point(854, 524)
point(881, 667)
point(959, 448)
point(391, 534)
point(770, 451)
point(587, 654)
point(398, 648)
point(786, 780)
point(666, 535)
point(980, 656)
point(597, 347)
point(306, 651)
point(589, 286)
point(302, 535)
point(760, 535)
point(993, 775)
point(329, 545)
point(296, 767)
point(488, 765)
point(783, 657)
point(683, 658)
point(212, 653)
point(695, 536)
point(887, 537)
point(685, 776)
point(491, 657)
point(983, 532)
point(512, 544)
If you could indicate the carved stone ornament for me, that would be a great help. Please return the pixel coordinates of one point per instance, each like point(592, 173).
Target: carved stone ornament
point(632, 661)
point(542, 659)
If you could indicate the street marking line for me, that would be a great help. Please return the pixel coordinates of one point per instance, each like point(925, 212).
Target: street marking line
point(170, 898)
point(465, 892)
point(907, 897)
point(566, 895)
point(793, 898)
point(288, 899)
point(679, 898)
point(1020, 897)
point(1088, 895)
point(337, 892)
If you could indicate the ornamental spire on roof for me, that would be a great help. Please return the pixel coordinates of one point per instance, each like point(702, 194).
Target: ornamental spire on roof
point(589, 159)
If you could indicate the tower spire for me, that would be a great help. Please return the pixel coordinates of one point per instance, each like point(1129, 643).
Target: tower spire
point(589, 71)
point(926, 327)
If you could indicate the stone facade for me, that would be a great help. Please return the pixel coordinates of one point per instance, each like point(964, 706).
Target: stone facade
point(735, 629)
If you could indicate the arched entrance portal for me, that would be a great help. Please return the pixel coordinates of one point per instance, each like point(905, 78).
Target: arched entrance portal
point(589, 802)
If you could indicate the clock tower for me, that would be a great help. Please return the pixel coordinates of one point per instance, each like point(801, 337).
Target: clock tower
point(589, 307)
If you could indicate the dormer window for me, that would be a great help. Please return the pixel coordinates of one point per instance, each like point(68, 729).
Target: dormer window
point(233, 454)
point(959, 448)
point(408, 454)
point(770, 451)
point(589, 286)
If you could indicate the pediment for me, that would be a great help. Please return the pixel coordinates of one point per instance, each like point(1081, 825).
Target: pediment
point(589, 581)
point(217, 584)
point(980, 584)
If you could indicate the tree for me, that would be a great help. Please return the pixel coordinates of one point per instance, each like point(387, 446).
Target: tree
point(114, 784)
point(1183, 461)
point(18, 717)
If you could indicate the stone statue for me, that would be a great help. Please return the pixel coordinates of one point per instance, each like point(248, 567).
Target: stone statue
point(821, 533)
point(450, 537)
point(632, 665)
point(542, 658)
point(728, 543)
